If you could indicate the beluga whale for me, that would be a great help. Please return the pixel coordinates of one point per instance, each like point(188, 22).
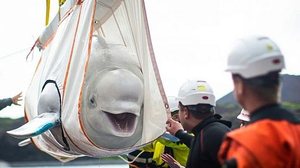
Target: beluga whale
point(96, 89)
point(111, 103)
point(114, 90)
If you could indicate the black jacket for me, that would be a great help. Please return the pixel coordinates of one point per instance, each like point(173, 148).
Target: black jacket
point(205, 145)
point(5, 102)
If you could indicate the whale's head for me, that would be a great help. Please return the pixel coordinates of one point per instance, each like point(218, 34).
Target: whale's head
point(113, 95)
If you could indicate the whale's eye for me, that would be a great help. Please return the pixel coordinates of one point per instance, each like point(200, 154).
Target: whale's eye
point(92, 102)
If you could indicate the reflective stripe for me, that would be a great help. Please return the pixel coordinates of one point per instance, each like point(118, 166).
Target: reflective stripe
point(139, 160)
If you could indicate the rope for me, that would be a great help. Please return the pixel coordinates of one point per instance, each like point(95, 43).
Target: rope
point(115, 19)
point(130, 162)
point(130, 24)
point(14, 53)
point(155, 67)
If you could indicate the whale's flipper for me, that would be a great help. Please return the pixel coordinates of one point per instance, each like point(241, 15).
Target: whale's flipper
point(36, 126)
point(24, 142)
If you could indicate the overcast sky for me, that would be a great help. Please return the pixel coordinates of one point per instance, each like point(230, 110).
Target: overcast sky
point(191, 39)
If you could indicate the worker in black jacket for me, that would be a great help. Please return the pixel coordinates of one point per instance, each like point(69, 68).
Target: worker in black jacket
point(197, 115)
point(9, 101)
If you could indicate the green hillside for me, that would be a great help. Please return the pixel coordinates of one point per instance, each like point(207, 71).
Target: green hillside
point(10, 151)
point(229, 108)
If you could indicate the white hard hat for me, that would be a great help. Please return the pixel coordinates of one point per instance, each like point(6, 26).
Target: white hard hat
point(255, 56)
point(244, 115)
point(173, 103)
point(195, 92)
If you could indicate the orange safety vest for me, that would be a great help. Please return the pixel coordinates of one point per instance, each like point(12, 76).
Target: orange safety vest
point(266, 143)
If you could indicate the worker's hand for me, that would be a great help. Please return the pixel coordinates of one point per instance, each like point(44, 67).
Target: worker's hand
point(173, 126)
point(17, 98)
point(170, 161)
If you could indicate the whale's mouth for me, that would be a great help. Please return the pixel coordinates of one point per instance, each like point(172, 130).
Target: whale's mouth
point(124, 124)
